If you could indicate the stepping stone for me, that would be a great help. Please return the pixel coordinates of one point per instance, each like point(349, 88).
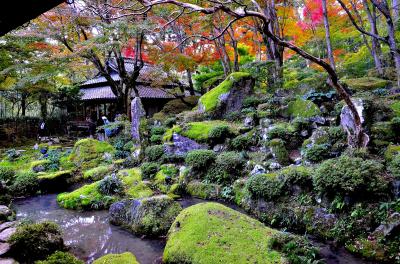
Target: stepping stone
point(7, 225)
point(4, 212)
point(7, 261)
point(4, 248)
point(6, 234)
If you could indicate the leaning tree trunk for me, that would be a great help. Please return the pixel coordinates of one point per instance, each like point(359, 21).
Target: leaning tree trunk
point(328, 35)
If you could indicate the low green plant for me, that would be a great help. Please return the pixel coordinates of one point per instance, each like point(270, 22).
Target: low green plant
point(149, 169)
point(279, 151)
point(394, 166)
point(200, 159)
point(7, 175)
point(154, 153)
point(219, 133)
point(317, 152)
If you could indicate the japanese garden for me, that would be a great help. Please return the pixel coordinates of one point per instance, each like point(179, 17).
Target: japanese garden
point(200, 132)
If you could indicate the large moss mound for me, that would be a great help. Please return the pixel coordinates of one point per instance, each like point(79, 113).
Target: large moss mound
point(303, 108)
point(212, 233)
point(89, 153)
point(211, 99)
point(366, 83)
point(124, 258)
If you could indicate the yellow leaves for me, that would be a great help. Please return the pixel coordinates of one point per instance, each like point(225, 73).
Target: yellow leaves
point(8, 83)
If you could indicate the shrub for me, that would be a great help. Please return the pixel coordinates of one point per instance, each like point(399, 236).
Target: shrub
point(317, 152)
point(60, 257)
point(297, 250)
point(53, 156)
point(394, 166)
point(267, 186)
point(242, 142)
point(200, 159)
point(110, 185)
point(227, 168)
point(279, 151)
point(154, 153)
point(156, 139)
point(149, 169)
point(7, 175)
point(219, 133)
point(203, 190)
point(170, 122)
point(36, 241)
point(26, 183)
point(298, 175)
point(157, 130)
point(349, 176)
point(123, 258)
point(251, 101)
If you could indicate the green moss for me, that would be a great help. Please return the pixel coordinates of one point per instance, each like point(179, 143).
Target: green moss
point(89, 153)
point(203, 190)
point(37, 163)
point(55, 175)
point(396, 108)
point(86, 197)
point(279, 151)
point(170, 132)
point(267, 186)
point(303, 108)
point(370, 249)
point(366, 83)
point(60, 257)
point(391, 151)
point(212, 233)
point(210, 100)
point(97, 173)
point(133, 184)
point(124, 258)
point(200, 131)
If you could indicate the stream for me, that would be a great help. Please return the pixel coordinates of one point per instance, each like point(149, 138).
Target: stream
point(90, 236)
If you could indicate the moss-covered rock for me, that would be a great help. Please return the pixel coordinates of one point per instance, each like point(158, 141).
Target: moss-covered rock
point(134, 187)
point(85, 198)
point(227, 96)
point(54, 181)
point(203, 190)
point(35, 241)
point(97, 173)
point(147, 216)
point(200, 131)
point(124, 258)
point(213, 233)
point(303, 108)
point(89, 153)
point(391, 151)
point(366, 83)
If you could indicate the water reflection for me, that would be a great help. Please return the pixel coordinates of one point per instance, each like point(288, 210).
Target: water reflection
point(88, 234)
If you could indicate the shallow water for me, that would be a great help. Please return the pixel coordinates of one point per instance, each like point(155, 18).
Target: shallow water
point(90, 236)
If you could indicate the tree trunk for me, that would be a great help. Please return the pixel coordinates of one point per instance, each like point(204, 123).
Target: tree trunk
point(396, 10)
point(375, 47)
point(23, 104)
point(43, 106)
point(190, 81)
point(328, 35)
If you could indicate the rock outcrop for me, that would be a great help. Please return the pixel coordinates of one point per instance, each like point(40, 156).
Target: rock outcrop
point(147, 216)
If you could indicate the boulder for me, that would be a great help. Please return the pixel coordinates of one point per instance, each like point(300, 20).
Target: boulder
point(181, 145)
point(7, 225)
point(124, 258)
point(258, 169)
point(147, 216)
point(89, 153)
point(391, 226)
point(228, 96)
point(248, 121)
point(7, 233)
point(214, 233)
point(4, 248)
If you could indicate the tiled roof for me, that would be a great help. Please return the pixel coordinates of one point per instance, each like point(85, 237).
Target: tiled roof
point(105, 92)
